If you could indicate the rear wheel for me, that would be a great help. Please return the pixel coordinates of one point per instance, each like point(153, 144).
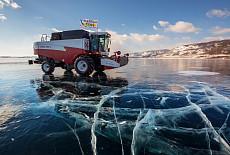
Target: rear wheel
point(47, 67)
point(84, 66)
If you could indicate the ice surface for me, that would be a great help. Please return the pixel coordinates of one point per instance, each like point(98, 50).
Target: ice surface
point(181, 119)
point(154, 110)
point(7, 111)
point(197, 73)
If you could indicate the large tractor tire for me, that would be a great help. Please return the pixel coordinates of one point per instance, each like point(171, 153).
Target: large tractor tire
point(84, 66)
point(47, 67)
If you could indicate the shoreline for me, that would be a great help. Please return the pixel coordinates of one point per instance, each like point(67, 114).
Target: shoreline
point(180, 58)
point(17, 57)
point(225, 57)
point(221, 57)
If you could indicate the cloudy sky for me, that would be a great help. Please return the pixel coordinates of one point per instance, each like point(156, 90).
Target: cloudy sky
point(134, 25)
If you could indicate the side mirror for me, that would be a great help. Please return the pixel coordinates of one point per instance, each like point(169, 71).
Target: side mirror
point(118, 52)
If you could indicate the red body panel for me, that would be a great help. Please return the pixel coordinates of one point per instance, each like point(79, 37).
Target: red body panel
point(68, 56)
point(72, 53)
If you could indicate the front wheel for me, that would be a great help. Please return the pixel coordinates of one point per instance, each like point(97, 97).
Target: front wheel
point(47, 67)
point(84, 66)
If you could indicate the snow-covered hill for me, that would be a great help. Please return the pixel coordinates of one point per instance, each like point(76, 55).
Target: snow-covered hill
point(150, 53)
point(206, 49)
point(213, 49)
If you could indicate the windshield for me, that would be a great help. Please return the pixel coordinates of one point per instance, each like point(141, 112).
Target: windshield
point(100, 43)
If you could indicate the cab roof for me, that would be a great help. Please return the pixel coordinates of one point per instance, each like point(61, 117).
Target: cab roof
point(99, 33)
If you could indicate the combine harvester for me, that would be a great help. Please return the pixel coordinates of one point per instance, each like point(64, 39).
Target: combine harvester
point(77, 49)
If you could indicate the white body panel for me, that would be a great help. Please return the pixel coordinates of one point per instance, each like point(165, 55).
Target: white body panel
point(109, 63)
point(61, 44)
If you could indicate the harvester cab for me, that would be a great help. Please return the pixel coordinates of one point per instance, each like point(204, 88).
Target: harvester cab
point(99, 41)
point(78, 49)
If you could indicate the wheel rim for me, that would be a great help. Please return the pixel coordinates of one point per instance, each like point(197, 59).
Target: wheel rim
point(82, 66)
point(46, 67)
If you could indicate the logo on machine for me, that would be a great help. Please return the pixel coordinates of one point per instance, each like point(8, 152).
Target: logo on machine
point(44, 46)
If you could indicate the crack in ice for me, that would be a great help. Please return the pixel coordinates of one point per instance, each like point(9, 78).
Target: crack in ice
point(133, 144)
point(93, 128)
point(76, 135)
point(118, 127)
point(208, 123)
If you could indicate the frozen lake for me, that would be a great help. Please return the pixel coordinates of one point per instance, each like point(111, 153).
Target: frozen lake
point(150, 106)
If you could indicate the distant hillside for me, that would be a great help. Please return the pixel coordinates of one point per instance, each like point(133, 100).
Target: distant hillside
point(212, 49)
point(150, 53)
point(206, 49)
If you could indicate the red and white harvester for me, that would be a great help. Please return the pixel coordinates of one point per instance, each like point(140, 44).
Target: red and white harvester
point(77, 49)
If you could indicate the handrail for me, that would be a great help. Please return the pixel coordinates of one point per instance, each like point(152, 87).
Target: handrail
point(44, 38)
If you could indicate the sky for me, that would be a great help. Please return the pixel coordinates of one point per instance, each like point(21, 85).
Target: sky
point(135, 25)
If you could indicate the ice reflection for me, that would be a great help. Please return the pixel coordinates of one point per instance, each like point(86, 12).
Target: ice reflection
point(176, 119)
point(7, 112)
